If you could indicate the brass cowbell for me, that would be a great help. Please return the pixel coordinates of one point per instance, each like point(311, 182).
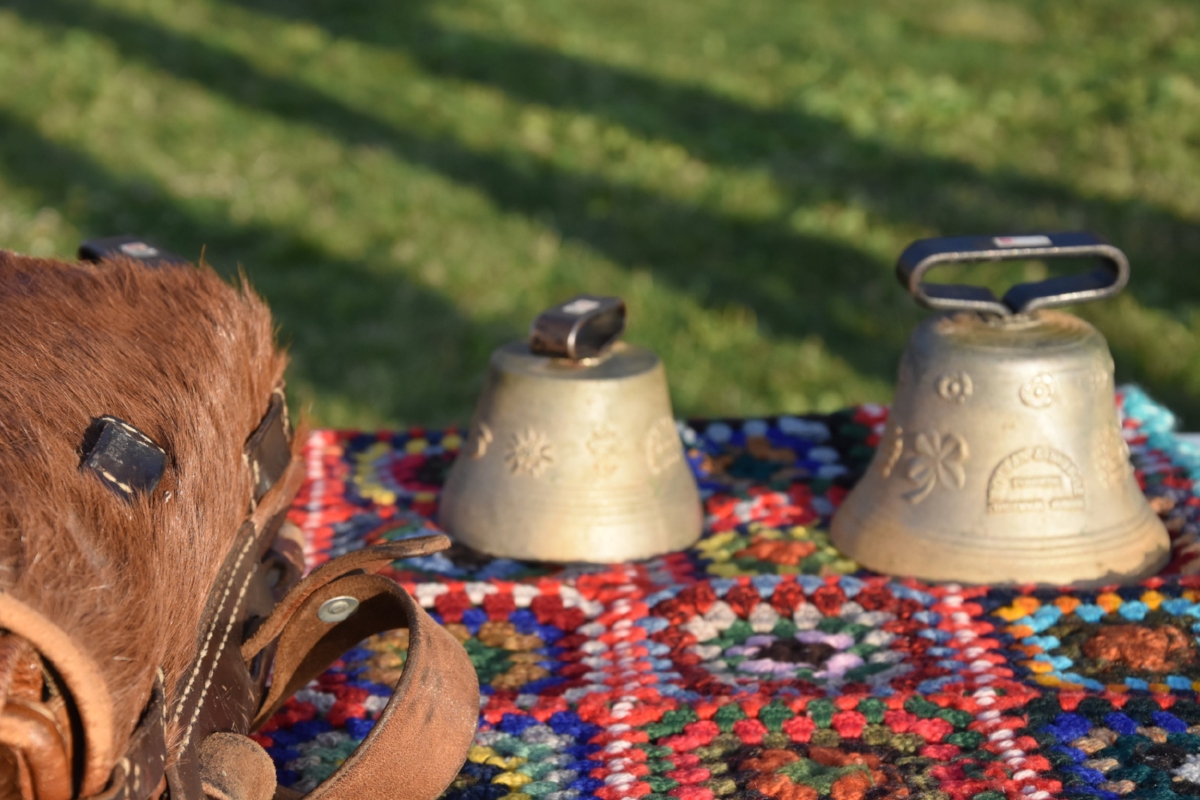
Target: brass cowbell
point(1002, 460)
point(572, 454)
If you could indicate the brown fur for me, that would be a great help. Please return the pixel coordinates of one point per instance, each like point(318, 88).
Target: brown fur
point(188, 360)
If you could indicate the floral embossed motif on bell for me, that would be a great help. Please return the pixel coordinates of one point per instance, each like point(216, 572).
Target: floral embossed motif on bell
point(1003, 461)
point(574, 455)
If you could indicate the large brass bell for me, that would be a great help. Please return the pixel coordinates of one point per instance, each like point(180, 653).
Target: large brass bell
point(572, 454)
point(1002, 460)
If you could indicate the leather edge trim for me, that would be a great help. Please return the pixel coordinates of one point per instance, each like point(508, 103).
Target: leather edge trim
point(369, 559)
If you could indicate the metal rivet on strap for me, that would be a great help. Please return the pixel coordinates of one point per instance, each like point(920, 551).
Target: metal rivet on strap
point(336, 609)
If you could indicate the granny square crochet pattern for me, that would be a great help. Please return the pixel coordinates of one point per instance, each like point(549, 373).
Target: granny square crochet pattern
point(761, 663)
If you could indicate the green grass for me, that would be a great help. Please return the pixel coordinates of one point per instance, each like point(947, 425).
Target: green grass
point(409, 182)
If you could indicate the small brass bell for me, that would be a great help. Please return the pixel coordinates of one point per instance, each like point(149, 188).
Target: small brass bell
point(1002, 460)
point(572, 454)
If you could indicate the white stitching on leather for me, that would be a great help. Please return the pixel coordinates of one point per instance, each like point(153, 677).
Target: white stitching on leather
point(208, 639)
point(187, 734)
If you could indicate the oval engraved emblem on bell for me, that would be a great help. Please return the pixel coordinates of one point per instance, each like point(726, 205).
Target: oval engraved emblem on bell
point(573, 454)
point(1003, 460)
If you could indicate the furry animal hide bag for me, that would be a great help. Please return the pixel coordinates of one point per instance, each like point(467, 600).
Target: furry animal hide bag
point(151, 607)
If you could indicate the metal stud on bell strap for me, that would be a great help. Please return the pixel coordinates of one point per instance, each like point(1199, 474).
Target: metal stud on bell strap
point(572, 454)
point(1003, 460)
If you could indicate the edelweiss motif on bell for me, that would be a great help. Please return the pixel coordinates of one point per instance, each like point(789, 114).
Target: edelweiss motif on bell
point(1003, 460)
point(573, 454)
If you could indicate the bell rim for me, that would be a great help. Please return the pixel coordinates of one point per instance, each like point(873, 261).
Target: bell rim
point(966, 562)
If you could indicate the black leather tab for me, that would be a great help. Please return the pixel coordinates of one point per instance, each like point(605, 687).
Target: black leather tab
point(125, 459)
point(269, 450)
point(585, 326)
point(129, 247)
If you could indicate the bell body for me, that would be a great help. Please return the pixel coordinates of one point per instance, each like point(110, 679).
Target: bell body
point(572, 461)
point(1003, 462)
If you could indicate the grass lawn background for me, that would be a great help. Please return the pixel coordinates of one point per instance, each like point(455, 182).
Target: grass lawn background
point(409, 182)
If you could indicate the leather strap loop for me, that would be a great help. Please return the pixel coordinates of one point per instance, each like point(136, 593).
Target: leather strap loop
point(29, 730)
point(368, 559)
point(84, 682)
point(435, 703)
point(436, 700)
point(308, 646)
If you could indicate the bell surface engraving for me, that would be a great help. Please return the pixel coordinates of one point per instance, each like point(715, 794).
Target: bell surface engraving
point(1101, 378)
point(1112, 457)
point(530, 452)
point(1035, 479)
point(478, 441)
point(1039, 391)
point(894, 447)
point(1046, 496)
point(955, 387)
point(662, 446)
point(937, 462)
point(602, 444)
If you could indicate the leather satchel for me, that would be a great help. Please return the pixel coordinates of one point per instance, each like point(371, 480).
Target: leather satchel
point(152, 610)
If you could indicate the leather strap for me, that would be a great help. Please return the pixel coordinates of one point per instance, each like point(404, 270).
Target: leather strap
point(142, 771)
point(83, 682)
point(368, 559)
point(421, 738)
point(30, 731)
point(436, 700)
point(217, 693)
point(222, 691)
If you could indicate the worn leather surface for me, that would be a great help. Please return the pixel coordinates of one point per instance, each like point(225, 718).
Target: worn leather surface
point(435, 701)
point(29, 729)
point(235, 767)
point(423, 734)
point(368, 559)
point(218, 693)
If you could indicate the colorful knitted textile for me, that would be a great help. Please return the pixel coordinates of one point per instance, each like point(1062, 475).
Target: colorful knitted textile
point(761, 663)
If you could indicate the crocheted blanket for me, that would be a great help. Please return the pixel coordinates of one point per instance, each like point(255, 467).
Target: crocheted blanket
point(761, 663)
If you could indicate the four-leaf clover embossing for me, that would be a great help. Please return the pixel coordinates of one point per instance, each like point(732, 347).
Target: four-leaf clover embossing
point(937, 462)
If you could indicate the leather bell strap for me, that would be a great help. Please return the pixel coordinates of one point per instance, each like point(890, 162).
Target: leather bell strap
point(221, 692)
point(436, 700)
point(141, 772)
point(63, 750)
point(421, 738)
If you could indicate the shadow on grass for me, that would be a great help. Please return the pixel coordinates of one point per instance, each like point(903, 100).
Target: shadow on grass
point(797, 285)
point(764, 266)
point(306, 285)
point(813, 158)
